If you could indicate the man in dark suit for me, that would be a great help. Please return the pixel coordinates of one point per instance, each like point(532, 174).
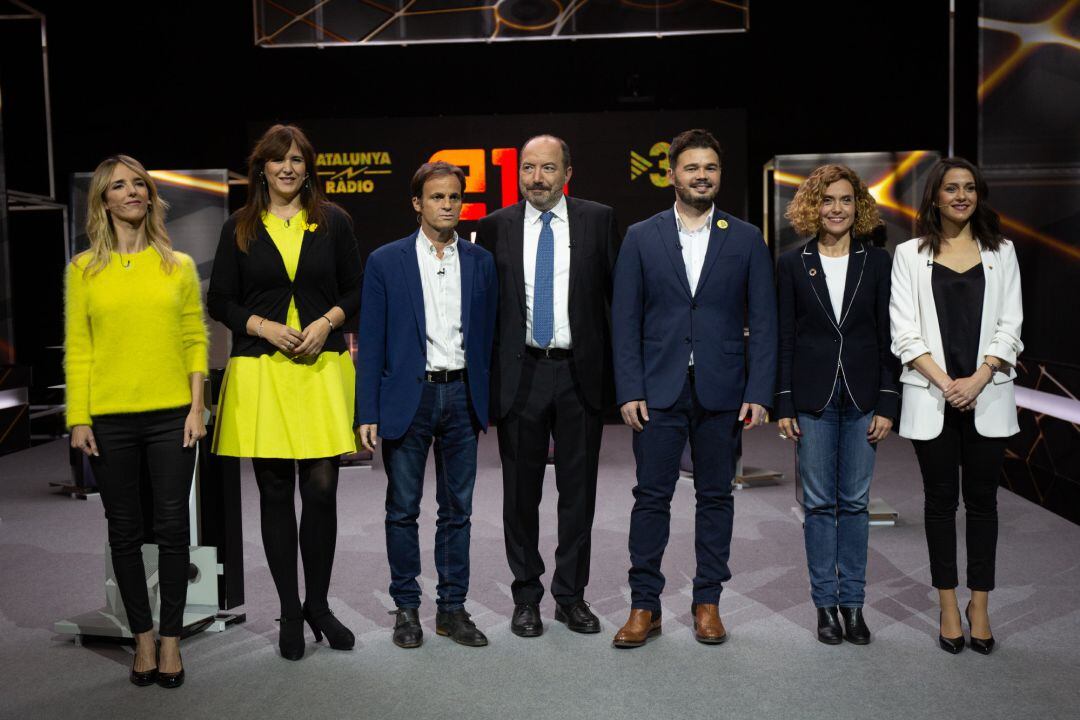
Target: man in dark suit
point(427, 320)
point(551, 374)
point(686, 281)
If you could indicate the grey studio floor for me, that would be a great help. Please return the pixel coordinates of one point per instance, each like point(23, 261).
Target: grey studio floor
point(52, 556)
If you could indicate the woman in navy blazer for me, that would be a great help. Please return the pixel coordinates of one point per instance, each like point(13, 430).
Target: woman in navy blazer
point(836, 384)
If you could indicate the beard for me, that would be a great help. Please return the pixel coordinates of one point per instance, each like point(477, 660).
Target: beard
point(699, 202)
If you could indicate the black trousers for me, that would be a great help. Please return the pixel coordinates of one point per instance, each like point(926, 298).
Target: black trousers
point(547, 406)
point(127, 443)
point(961, 458)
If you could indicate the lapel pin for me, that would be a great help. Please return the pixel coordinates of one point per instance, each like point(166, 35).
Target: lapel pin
point(813, 272)
point(991, 267)
point(722, 224)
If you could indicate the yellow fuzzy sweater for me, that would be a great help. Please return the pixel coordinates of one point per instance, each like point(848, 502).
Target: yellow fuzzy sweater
point(134, 334)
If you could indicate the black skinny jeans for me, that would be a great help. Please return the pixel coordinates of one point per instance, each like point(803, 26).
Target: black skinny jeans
point(126, 443)
point(961, 457)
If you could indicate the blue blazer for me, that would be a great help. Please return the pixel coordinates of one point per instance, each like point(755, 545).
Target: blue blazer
point(656, 318)
point(392, 353)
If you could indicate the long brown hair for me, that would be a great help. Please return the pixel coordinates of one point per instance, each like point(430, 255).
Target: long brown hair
point(274, 145)
point(985, 224)
point(99, 222)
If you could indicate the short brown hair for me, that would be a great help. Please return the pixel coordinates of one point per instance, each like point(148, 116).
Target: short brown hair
point(433, 169)
point(696, 138)
point(804, 210)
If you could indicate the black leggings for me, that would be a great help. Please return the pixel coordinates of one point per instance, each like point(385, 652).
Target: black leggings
point(127, 444)
point(960, 456)
point(318, 527)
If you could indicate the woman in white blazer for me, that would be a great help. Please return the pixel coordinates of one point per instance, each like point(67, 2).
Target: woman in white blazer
point(955, 314)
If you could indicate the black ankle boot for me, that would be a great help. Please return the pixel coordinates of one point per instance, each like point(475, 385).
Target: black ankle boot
point(855, 630)
point(291, 638)
point(828, 626)
point(323, 622)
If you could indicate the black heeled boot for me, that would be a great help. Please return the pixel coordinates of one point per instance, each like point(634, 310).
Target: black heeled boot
point(828, 626)
point(983, 646)
point(323, 622)
point(855, 630)
point(291, 638)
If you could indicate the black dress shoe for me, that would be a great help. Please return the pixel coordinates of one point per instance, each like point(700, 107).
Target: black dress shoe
point(828, 626)
point(526, 621)
point(459, 627)
point(291, 638)
point(142, 678)
point(855, 630)
point(323, 622)
point(983, 646)
point(171, 681)
point(953, 646)
point(407, 630)
point(578, 617)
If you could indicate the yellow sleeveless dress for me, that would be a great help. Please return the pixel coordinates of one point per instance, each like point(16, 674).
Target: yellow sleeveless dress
point(274, 407)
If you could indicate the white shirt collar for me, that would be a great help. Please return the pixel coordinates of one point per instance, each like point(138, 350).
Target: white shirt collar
point(706, 226)
point(532, 215)
point(423, 243)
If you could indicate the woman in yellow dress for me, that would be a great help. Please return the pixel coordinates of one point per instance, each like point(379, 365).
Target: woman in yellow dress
point(286, 277)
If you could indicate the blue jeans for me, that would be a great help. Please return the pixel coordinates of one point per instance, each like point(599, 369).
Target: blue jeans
point(836, 463)
point(658, 450)
point(445, 417)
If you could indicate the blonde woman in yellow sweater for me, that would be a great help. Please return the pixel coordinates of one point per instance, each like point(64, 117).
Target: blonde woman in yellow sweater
point(135, 360)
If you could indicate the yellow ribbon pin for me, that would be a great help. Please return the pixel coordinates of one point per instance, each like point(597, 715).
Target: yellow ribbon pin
point(722, 224)
point(312, 227)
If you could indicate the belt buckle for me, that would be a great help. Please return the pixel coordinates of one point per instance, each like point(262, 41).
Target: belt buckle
point(547, 352)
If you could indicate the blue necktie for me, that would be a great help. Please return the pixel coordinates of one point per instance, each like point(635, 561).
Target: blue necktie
point(544, 284)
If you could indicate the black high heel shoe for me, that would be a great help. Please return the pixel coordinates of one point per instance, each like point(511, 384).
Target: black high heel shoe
point(291, 638)
point(171, 681)
point(142, 678)
point(953, 646)
point(983, 646)
point(323, 622)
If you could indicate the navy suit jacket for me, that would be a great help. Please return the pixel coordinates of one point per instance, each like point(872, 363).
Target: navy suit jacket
point(656, 319)
point(814, 342)
point(392, 353)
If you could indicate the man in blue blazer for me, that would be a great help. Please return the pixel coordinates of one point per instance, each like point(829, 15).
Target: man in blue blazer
point(687, 282)
point(427, 322)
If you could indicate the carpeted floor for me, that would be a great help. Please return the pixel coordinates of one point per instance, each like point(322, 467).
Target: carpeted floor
point(52, 558)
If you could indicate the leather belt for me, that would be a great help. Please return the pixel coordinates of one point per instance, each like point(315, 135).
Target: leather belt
point(444, 376)
point(552, 353)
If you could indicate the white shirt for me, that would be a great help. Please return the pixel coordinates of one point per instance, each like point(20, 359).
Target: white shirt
point(694, 245)
point(441, 281)
point(560, 226)
point(835, 277)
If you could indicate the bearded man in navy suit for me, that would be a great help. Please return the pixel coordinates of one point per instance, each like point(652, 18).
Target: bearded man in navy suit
point(687, 282)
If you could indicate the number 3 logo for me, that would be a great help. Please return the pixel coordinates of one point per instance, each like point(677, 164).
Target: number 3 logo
point(660, 178)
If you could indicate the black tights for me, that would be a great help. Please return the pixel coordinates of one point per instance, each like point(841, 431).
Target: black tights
point(318, 527)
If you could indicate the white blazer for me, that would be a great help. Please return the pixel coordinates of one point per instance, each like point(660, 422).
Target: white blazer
point(915, 331)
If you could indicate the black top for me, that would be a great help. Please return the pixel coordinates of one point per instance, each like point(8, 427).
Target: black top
point(814, 343)
point(328, 273)
point(958, 298)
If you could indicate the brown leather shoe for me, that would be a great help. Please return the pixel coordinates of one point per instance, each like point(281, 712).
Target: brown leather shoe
point(708, 627)
point(642, 625)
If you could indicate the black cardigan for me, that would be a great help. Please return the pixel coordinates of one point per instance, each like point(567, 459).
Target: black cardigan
point(328, 273)
point(813, 342)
